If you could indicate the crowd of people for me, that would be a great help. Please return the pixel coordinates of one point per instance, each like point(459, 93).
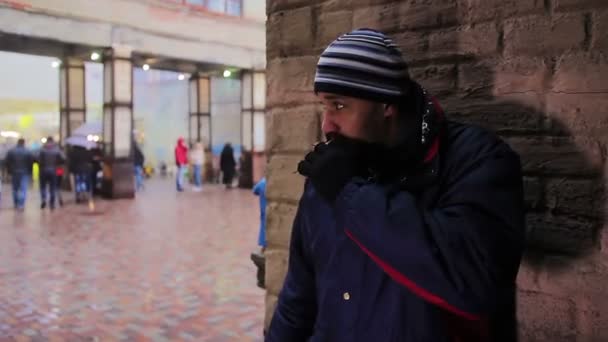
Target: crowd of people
point(52, 164)
point(191, 162)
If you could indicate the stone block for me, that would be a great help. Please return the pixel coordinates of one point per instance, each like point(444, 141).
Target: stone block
point(291, 80)
point(545, 318)
point(486, 10)
point(330, 25)
point(279, 222)
point(276, 269)
point(599, 30)
point(533, 192)
point(284, 183)
point(417, 15)
point(578, 197)
point(290, 33)
point(539, 35)
point(520, 75)
point(507, 114)
point(560, 234)
point(384, 17)
point(413, 45)
point(282, 5)
point(271, 305)
point(581, 72)
point(292, 129)
point(579, 114)
point(476, 40)
point(576, 5)
point(559, 156)
point(438, 79)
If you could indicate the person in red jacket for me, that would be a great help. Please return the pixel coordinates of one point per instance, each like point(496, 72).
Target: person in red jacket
point(181, 161)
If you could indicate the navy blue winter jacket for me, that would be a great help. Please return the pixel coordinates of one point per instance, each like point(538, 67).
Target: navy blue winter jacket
point(434, 264)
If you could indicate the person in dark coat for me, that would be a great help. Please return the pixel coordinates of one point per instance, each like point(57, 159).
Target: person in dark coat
point(81, 166)
point(411, 226)
point(49, 158)
point(227, 165)
point(19, 161)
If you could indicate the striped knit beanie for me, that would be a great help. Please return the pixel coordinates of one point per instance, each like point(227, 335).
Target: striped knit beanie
point(363, 64)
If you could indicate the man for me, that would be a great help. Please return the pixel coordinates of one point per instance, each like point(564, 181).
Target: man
point(260, 190)
point(19, 161)
point(49, 158)
point(181, 162)
point(80, 165)
point(411, 227)
point(258, 257)
point(138, 162)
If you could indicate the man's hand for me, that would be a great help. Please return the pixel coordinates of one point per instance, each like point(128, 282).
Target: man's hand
point(330, 166)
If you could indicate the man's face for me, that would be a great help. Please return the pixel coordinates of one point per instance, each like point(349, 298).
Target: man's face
point(352, 117)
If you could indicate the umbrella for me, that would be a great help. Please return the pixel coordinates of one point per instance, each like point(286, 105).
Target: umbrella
point(88, 128)
point(79, 140)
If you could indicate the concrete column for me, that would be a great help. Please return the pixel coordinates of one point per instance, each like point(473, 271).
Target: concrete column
point(118, 123)
point(253, 127)
point(199, 119)
point(72, 96)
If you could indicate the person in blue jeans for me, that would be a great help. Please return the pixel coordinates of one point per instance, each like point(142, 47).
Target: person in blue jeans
point(197, 158)
point(260, 190)
point(138, 161)
point(19, 161)
point(49, 158)
point(81, 164)
point(181, 162)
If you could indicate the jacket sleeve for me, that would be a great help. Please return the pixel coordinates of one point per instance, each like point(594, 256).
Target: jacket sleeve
point(257, 189)
point(456, 255)
point(295, 313)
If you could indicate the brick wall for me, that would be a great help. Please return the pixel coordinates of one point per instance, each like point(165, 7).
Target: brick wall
point(535, 71)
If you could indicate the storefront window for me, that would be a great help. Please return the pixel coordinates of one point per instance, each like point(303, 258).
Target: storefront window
point(196, 2)
point(229, 7)
point(233, 7)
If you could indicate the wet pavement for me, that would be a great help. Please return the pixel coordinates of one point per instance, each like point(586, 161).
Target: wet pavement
point(166, 266)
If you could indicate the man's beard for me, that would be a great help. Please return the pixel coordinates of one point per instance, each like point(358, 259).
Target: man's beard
point(378, 160)
point(373, 159)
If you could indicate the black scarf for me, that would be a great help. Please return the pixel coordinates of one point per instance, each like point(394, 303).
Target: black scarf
point(412, 157)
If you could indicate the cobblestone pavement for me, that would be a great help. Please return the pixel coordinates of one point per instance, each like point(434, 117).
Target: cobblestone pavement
point(162, 267)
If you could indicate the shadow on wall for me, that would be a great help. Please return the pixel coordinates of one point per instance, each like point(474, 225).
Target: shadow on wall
point(561, 151)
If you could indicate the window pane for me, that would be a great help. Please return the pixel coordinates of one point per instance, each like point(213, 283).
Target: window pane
point(76, 87)
point(259, 90)
point(203, 95)
point(193, 128)
point(205, 129)
point(217, 5)
point(246, 130)
point(259, 132)
point(234, 7)
point(123, 131)
point(196, 2)
point(246, 85)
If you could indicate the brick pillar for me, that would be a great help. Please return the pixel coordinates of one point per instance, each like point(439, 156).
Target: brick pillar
point(72, 96)
point(118, 123)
